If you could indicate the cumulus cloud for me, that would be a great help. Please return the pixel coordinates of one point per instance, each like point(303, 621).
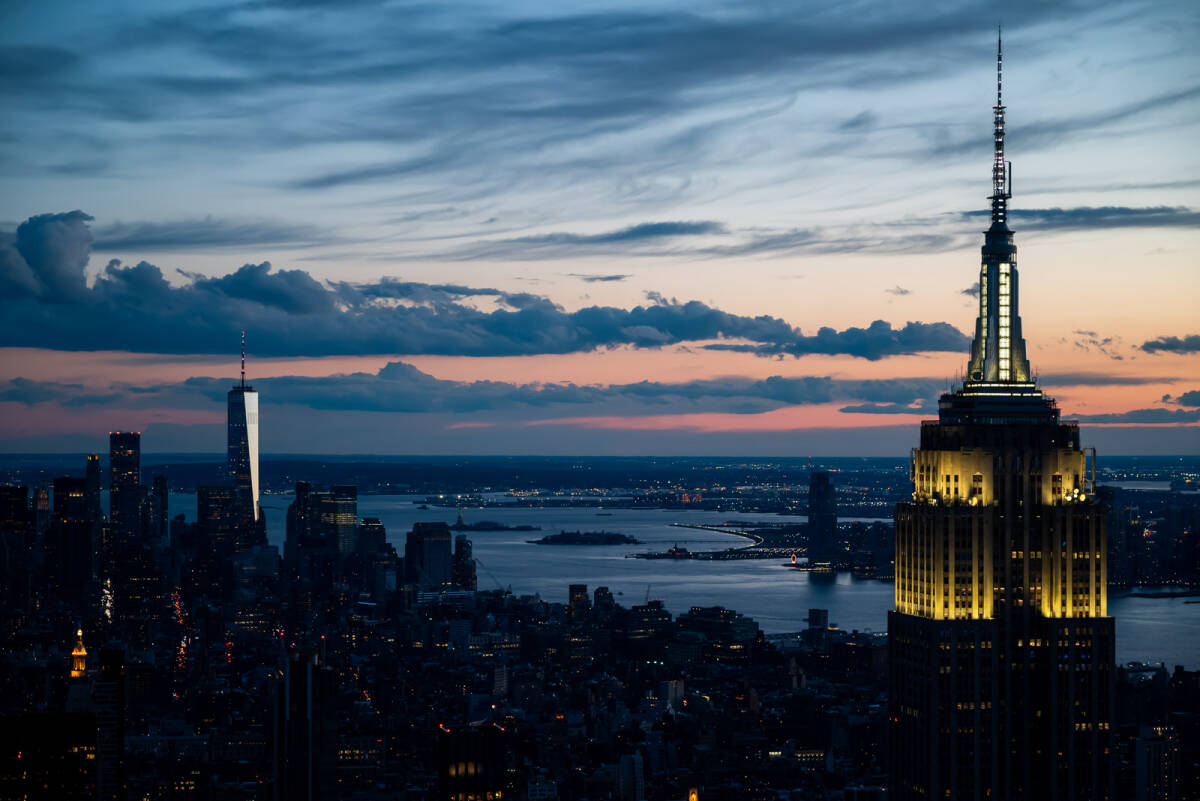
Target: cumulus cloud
point(30, 392)
point(876, 341)
point(45, 258)
point(289, 313)
point(1190, 399)
point(401, 387)
point(1182, 345)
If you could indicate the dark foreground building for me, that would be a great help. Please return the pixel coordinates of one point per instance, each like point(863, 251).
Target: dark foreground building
point(1001, 677)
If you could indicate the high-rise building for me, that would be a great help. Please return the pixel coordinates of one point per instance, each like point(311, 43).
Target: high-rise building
point(1001, 680)
point(242, 442)
point(70, 498)
point(1156, 761)
point(304, 741)
point(427, 555)
point(125, 479)
point(41, 508)
point(92, 479)
point(69, 544)
point(822, 518)
point(16, 548)
point(472, 762)
point(159, 510)
point(372, 536)
point(339, 515)
point(108, 698)
point(218, 517)
point(14, 509)
point(462, 570)
point(578, 603)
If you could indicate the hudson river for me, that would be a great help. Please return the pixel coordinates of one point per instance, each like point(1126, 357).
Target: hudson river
point(777, 597)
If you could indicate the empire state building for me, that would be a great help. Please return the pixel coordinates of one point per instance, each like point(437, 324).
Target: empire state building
point(1001, 676)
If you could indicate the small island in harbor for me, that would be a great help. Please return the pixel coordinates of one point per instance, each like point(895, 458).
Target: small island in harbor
point(490, 525)
point(587, 538)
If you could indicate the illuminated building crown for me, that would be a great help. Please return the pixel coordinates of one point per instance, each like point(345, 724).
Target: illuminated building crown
point(998, 362)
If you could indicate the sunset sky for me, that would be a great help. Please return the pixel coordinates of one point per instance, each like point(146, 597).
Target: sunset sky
point(606, 228)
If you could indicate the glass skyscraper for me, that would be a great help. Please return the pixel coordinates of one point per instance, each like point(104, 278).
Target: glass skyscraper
point(243, 443)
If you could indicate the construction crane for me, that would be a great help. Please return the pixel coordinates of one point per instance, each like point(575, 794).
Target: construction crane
point(491, 575)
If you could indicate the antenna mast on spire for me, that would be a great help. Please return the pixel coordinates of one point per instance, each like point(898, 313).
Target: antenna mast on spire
point(243, 357)
point(1001, 169)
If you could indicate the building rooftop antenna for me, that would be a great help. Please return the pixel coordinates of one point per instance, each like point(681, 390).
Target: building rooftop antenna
point(243, 384)
point(1001, 169)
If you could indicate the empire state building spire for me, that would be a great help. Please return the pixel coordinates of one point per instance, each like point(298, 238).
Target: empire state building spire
point(998, 363)
point(1001, 169)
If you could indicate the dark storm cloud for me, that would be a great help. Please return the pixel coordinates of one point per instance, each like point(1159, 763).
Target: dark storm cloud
point(47, 304)
point(1107, 217)
point(401, 387)
point(206, 233)
point(1185, 344)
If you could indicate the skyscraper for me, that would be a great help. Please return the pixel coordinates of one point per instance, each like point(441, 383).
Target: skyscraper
point(1001, 648)
point(304, 736)
point(822, 518)
point(242, 442)
point(125, 480)
point(427, 555)
point(339, 515)
point(92, 477)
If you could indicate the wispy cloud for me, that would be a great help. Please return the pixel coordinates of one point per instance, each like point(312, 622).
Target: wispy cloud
point(1091, 341)
point(599, 279)
point(1108, 217)
point(1144, 416)
point(207, 233)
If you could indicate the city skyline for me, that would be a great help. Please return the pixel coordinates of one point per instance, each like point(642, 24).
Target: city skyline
point(765, 258)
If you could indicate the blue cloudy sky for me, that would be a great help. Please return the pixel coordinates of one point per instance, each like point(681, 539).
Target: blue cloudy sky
point(613, 227)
